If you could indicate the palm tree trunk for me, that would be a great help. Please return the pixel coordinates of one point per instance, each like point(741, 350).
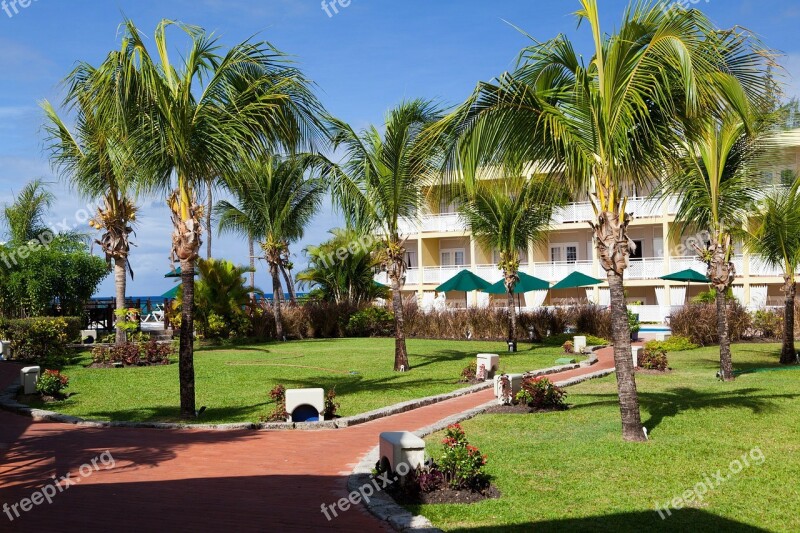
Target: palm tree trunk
point(276, 303)
point(186, 351)
point(725, 362)
point(623, 362)
point(120, 281)
point(400, 350)
point(510, 280)
point(289, 287)
point(788, 354)
point(209, 207)
point(252, 249)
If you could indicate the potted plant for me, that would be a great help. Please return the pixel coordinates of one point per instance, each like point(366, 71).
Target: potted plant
point(633, 323)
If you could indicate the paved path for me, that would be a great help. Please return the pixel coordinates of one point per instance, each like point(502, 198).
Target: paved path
point(197, 480)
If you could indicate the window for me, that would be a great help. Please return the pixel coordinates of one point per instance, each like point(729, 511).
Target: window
point(564, 252)
point(572, 254)
point(452, 257)
point(411, 259)
point(446, 208)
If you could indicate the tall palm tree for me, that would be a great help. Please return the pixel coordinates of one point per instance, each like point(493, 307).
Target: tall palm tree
point(380, 182)
point(96, 161)
point(773, 234)
point(717, 190)
point(604, 127)
point(197, 118)
point(24, 218)
point(507, 215)
point(274, 203)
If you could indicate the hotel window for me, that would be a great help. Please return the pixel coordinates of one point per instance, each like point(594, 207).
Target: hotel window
point(411, 259)
point(452, 257)
point(639, 253)
point(564, 252)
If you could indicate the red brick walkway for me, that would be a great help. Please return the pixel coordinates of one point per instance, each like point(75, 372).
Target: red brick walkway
point(197, 480)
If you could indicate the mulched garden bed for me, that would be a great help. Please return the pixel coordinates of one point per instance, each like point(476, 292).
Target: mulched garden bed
point(28, 398)
point(519, 409)
point(444, 495)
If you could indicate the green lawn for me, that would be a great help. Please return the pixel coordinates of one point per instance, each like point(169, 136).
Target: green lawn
point(571, 471)
point(234, 382)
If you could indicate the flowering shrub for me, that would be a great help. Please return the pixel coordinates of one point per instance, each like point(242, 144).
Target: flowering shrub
point(469, 373)
point(569, 347)
point(134, 354)
point(331, 405)
point(653, 359)
point(278, 395)
point(541, 393)
point(52, 382)
point(462, 465)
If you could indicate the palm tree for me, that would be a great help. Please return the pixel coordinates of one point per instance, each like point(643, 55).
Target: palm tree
point(604, 127)
point(507, 215)
point(196, 120)
point(221, 291)
point(774, 235)
point(24, 218)
point(717, 192)
point(351, 279)
point(274, 203)
point(381, 182)
point(97, 162)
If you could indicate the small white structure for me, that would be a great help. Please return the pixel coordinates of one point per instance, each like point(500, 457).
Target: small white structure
point(579, 344)
point(29, 376)
point(301, 404)
point(516, 386)
point(401, 451)
point(662, 336)
point(5, 350)
point(491, 361)
point(87, 334)
point(635, 351)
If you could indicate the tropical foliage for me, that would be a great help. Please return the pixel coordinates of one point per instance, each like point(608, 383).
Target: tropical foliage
point(24, 218)
point(274, 203)
point(342, 269)
point(606, 126)
point(380, 183)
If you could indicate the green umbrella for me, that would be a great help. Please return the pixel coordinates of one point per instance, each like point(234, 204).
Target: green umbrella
point(465, 281)
point(172, 293)
point(174, 273)
point(576, 280)
point(688, 276)
point(526, 283)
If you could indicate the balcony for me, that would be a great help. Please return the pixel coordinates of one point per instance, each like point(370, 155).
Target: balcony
point(559, 270)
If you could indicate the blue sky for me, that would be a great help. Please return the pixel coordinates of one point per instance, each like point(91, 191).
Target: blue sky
point(365, 59)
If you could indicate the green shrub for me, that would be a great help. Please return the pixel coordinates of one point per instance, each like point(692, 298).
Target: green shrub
point(41, 340)
point(768, 324)
point(653, 359)
point(633, 322)
point(541, 393)
point(462, 464)
point(371, 322)
point(149, 353)
point(676, 343)
point(51, 383)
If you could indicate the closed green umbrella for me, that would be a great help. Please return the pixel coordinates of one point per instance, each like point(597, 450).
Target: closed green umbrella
point(576, 280)
point(465, 281)
point(688, 276)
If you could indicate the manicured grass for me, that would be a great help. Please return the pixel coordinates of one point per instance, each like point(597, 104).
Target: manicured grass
point(235, 382)
point(571, 471)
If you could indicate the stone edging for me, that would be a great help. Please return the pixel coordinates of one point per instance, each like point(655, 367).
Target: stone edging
point(383, 507)
point(9, 402)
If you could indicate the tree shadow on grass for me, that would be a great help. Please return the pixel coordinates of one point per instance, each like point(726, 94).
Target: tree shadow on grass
point(670, 403)
point(682, 520)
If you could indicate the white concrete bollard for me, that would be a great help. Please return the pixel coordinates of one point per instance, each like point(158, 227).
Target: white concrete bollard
point(635, 351)
point(314, 398)
point(516, 386)
point(491, 361)
point(579, 344)
point(29, 376)
point(401, 451)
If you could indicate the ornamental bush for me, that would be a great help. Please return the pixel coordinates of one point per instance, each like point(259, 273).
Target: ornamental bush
point(371, 322)
point(41, 340)
point(51, 383)
point(541, 393)
point(462, 465)
point(653, 359)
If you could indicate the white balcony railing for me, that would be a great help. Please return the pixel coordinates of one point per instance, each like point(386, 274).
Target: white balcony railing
point(491, 273)
point(438, 275)
point(560, 270)
point(645, 268)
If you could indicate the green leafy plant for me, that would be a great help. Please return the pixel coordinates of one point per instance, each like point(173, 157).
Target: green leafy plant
point(41, 340)
point(470, 373)
point(279, 414)
point(52, 383)
point(371, 322)
point(541, 393)
point(633, 322)
point(653, 359)
point(676, 343)
point(462, 464)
